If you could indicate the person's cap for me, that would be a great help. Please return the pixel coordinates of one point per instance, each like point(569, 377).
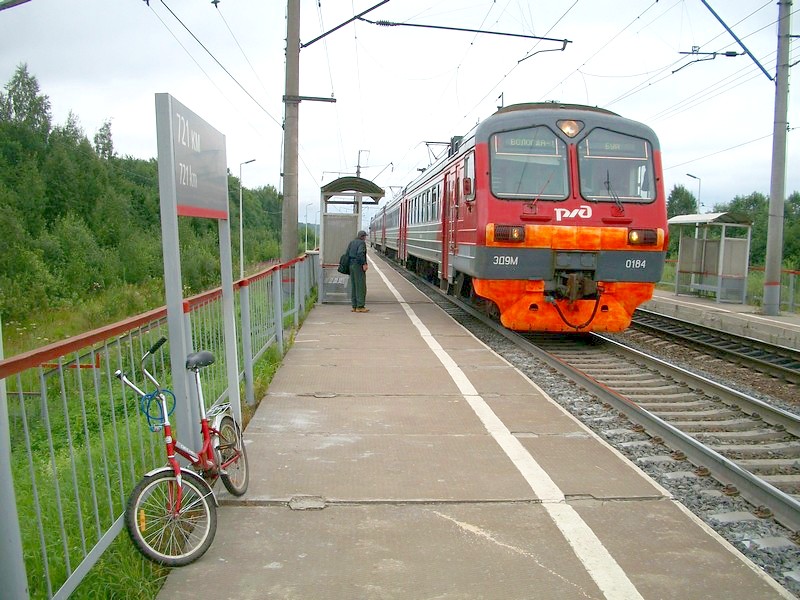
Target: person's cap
point(362, 233)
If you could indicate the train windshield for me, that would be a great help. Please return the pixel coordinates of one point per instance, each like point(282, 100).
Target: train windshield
point(615, 167)
point(528, 164)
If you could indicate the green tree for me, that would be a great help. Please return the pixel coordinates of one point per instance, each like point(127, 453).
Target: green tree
point(76, 218)
point(25, 112)
point(681, 202)
point(754, 207)
point(103, 141)
point(791, 232)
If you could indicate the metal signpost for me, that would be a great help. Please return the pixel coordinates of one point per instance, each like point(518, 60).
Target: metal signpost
point(193, 182)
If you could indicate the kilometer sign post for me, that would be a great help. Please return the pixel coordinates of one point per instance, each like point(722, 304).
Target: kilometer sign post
point(193, 182)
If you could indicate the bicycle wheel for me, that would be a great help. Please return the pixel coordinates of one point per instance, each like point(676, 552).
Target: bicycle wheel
point(166, 536)
point(232, 456)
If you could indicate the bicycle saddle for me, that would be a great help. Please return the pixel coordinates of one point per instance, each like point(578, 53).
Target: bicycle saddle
point(197, 360)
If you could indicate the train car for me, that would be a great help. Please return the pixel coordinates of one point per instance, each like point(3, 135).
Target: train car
point(551, 217)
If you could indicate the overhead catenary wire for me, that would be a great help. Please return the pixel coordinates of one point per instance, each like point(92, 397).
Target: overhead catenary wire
point(238, 45)
point(649, 82)
point(221, 66)
point(693, 160)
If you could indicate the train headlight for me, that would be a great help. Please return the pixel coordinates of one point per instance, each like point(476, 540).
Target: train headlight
point(642, 237)
point(509, 233)
point(569, 127)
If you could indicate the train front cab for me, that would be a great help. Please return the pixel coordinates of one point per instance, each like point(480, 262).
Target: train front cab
point(575, 233)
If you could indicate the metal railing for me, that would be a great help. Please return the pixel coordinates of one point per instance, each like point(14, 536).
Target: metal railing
point(72, 441)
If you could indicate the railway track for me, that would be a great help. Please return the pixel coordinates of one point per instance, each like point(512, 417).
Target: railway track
point(745, 443)
point(776, 361)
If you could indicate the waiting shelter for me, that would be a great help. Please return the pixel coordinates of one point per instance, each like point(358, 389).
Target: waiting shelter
point(338, 226)
point(713, 255)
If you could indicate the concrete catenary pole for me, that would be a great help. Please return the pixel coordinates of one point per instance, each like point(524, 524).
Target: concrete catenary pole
point(777, 191)
point(290, 133)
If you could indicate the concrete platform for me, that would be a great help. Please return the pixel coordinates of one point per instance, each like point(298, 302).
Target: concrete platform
point(395, 456)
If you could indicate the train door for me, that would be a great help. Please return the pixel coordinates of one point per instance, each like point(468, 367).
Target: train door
point(402, 232)
point(452, 201)
point(383, 230)
point(444, 203)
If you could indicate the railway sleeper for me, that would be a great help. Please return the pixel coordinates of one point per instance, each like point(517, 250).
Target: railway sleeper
point(753, 451)
point(676, 402)
point(731, 425)
point(754, 435)
point(646, 390)
point(699, 415)
point(680, 401)
point(771, 465)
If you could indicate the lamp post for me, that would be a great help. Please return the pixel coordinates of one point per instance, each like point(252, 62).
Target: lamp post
point(306, 221)
point(699, 185)
point(241, 218)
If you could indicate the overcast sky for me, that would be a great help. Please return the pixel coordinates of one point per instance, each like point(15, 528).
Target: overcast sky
point(398, 87)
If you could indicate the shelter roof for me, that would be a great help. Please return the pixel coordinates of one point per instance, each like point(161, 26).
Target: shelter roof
point(723, 218)
point(346, 185)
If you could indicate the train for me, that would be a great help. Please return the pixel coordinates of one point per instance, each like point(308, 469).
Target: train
point(549, 217)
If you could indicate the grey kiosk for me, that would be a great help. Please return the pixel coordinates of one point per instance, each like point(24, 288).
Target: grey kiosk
point(338, 228)
point(713, 255)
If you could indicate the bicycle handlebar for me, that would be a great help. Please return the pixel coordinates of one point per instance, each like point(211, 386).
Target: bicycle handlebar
point(157, 345)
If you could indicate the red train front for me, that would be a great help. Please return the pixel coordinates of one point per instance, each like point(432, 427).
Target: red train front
point(552, 217)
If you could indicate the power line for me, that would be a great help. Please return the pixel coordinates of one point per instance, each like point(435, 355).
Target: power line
point(496, 85)
point(238, 45)
point(600, 49)
point(648, 83)
point(221, 66)
point(763, 137)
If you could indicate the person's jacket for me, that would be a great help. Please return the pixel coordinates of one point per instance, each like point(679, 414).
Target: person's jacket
point(357, 251)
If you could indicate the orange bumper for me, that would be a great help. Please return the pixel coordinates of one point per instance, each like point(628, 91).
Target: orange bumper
point(523, 306)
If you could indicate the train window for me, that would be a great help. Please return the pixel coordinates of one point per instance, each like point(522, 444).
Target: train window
point(469, 176)
point(428, 205)
point(528, 164)
point(615, 167)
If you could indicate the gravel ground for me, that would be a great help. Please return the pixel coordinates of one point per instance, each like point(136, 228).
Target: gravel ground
point(768, 544)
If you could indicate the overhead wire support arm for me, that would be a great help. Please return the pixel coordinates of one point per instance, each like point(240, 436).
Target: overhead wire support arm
point(563, 47)
point(358, 16)
point(519, 35)
point(709, 55)
point(740, 42)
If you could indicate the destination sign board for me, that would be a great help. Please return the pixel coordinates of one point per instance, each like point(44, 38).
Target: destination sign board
point(535, 141)
point(196, 151)
point(602, 143)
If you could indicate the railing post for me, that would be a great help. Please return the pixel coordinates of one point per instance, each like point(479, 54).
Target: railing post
point(297, 298)
point(792, 277)
point(247, 342)
point(12, 565)
point(277, 299)
point(187, 414)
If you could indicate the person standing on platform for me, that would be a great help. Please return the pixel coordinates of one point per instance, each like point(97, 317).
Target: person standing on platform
point(357, 251)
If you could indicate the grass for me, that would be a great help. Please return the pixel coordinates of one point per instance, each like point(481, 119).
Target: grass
point(65, 320)
point(65, 464)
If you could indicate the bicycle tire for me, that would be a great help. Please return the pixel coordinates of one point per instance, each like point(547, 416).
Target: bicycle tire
point(229, 442)
point(166, 539)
